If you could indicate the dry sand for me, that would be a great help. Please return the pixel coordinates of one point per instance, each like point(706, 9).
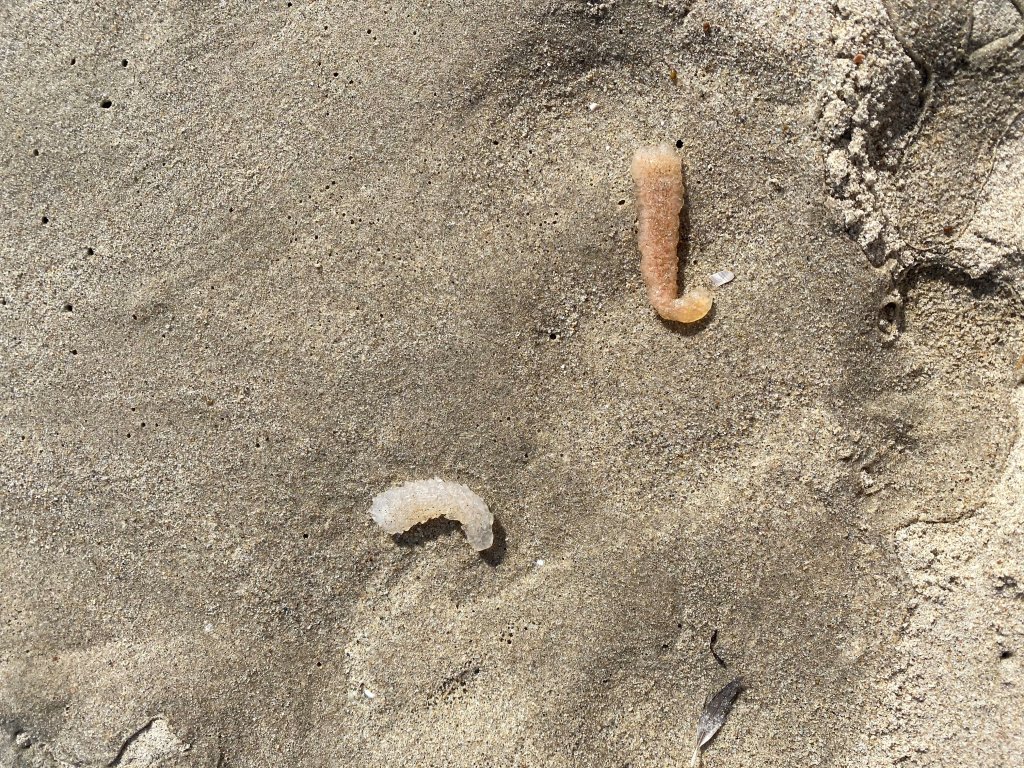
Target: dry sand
point(262, 260)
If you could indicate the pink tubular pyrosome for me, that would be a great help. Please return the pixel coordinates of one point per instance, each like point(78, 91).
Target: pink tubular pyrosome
point(658, 175)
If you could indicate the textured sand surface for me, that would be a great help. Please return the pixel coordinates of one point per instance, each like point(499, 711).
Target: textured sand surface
point(263, 260)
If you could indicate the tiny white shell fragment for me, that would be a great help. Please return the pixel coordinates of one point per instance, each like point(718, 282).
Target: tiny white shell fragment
point(719, 279)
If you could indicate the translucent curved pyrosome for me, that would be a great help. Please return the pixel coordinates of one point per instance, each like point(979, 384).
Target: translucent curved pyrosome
point(658, 174)
point(401, 507)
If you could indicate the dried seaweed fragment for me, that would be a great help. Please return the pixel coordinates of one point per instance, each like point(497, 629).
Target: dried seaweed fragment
point(711, 647)
point(713, 717)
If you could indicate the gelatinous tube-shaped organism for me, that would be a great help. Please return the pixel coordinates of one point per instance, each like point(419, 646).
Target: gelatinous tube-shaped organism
point(658, 174)
point(401, 507)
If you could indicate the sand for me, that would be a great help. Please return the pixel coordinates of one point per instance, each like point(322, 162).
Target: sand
point(263, 260)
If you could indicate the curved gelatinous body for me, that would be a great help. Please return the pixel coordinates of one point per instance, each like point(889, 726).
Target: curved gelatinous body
point(658, 175)
point(401, 507)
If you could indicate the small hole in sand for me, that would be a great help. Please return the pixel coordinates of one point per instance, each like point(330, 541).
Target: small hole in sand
point(679, 143)
point(106, 103)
